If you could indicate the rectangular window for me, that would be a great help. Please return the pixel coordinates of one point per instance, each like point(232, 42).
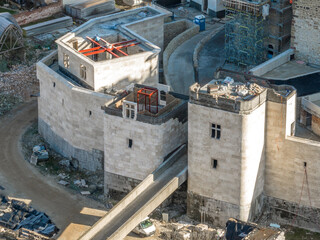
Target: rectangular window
point(130, 143)
point(83, 71)
point(215, 131)
point(66, 60)
point(214, 163)
point(130, 111)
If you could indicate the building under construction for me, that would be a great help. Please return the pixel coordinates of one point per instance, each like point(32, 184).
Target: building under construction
point(279, 27)
point(246, 31)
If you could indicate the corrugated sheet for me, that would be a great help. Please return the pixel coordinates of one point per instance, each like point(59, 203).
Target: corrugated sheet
point(6, 19)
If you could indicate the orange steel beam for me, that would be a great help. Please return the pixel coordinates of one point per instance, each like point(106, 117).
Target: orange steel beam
point(90, 49)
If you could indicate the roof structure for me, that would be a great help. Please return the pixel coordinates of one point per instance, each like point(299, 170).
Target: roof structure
point(10, 33)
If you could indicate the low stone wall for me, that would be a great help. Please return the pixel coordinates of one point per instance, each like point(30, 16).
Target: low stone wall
point(176, 42)
point(72, 123)
point(198, 49)
point(289, 213)
point(272, 63)
point(173, 29)
point(202, 43)
point(26, 17)
point(209, 210)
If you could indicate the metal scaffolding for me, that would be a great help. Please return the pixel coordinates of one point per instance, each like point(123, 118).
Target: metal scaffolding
point(245, 33)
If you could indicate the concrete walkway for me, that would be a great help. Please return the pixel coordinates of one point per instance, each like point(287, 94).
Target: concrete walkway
point(211, 57)
point(180, 65)
point(142, 200)
point(72, 213)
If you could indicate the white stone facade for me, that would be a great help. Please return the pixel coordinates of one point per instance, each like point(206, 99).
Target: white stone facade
point(258, 158)
point(150, 144)
point(72, 91)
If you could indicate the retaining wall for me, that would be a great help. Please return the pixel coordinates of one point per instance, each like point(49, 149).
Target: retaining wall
point(176, 42)
point(39, 13)
point(272, 63)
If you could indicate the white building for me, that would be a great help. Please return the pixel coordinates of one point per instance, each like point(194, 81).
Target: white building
point(94, 64)
point(213, 8)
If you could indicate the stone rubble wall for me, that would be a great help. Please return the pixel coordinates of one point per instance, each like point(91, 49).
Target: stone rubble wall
point(39, 13)
point(305, 30)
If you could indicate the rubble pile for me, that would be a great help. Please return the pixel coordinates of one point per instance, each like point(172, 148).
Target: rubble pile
point(230, 89)
point(182, 231)
point(20, 82)
point(16, 215)
point(7, 102)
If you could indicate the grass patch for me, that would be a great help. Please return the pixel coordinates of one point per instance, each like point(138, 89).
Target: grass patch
point(2, 10)
point(301, 234)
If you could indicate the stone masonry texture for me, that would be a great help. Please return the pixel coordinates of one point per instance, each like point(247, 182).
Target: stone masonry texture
point(306, 30)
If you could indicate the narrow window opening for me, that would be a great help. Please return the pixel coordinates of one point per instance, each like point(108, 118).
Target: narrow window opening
point(130, 143)
point(83, 71)
point(214, 163)
point(75, 45)
point(54, 84)
point(163, 96)
point(90, 113)
point(305, 164)
point(66, 60)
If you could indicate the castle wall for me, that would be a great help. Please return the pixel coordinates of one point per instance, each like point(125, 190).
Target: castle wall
point(70, 117)
point(139, 68)
point(252, 162)
point(285, 172)
point(235, 187)
point(124, 166)
point(305, 30)
point(74, 65)
point(214, 193)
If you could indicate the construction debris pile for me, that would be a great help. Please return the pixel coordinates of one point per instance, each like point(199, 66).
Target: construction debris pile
point(183, 231)
point(39, 152)
point(20, 82)
point(230, 89)
point(16, 215)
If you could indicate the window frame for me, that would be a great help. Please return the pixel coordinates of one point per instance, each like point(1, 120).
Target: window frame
point(215, 131)
point(129, 110)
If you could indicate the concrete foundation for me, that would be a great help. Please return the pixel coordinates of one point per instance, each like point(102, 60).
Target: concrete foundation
point(209, 210)
point(119, 183)
point(285, 212)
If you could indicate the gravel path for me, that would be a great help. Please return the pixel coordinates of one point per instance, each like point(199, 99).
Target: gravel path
point(71, 213)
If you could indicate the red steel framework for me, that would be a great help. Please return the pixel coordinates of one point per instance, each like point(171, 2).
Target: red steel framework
point(145, 94)
point(109, 47)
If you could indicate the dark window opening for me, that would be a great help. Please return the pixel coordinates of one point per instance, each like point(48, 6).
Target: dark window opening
point(163, 96)
point(90, 113)
point(54, 84)
point(305, 164)
point(130, 143)
point(214, 163)
point(215, 131)
point(308, 119)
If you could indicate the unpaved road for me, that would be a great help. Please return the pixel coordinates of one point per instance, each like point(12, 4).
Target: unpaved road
point(72, 213)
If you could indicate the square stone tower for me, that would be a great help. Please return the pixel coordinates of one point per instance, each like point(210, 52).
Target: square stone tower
point(226, 156)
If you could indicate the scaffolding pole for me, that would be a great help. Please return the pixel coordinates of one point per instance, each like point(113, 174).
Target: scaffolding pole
point(245, 34)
